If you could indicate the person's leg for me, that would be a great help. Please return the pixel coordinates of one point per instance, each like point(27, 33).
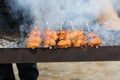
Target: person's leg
point(6, 72)
point(28, 71)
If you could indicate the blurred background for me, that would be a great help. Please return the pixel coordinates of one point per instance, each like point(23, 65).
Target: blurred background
point(78, 71)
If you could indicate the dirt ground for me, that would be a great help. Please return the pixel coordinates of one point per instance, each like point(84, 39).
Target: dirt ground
point(78, 71)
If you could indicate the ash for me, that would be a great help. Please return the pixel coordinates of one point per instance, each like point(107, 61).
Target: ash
point(13, 44)
point(8, 44)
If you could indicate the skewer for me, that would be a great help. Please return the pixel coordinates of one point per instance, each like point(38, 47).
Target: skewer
point(36, 24)
point(50, 47)
point(97, 47)
point(61, 24)
point(88, 27)
point(50, 38)
point(48, 29)
point(33, 48)
point(47, 24)
point(34, 40)
point(72, 25)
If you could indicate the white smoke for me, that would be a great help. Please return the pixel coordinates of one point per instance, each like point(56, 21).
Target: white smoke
point(57, 14)
point(116, 5)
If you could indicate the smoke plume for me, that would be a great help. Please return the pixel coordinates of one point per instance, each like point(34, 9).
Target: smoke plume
point(63, 14)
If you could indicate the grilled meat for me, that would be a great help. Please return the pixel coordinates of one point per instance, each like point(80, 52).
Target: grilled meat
point(78, 38)
point(79, 41)
point(76, 33)
point(63, 35)
point(64, 43)
point(51, 34)
point(92, 35)
point(49, 42)
point(94, 40)
point(64, 39)
point(50, 38)
point(34, 39)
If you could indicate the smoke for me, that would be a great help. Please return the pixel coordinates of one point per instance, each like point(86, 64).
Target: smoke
point(62, 14)
point(116, 5)
point(56, 13)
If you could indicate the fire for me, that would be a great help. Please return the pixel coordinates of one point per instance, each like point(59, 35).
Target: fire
point(34, 39)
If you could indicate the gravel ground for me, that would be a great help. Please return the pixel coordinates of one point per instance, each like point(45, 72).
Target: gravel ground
point(78, 71)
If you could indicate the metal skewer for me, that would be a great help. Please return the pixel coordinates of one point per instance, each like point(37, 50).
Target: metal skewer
point(47, 25)
point(88, 27)
point(72, 25)
point(61, 24)
point(33, 48)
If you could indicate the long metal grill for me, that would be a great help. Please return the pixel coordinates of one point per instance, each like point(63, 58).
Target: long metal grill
point(24, 55)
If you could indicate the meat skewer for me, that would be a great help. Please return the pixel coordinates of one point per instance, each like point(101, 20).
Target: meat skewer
point(72, 25)
point(64, 43)
point(51, 34)
point(78, 38)
point(34, 39)
point(50, 38)
point(63, 35)
point(94, 40)
point(68, 38)
point(61, 24)
point(64, 40)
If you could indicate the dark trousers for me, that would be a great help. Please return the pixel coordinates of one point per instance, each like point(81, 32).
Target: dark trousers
point(27, 71)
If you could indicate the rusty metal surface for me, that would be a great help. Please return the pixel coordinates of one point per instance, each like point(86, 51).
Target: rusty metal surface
point(59, 55)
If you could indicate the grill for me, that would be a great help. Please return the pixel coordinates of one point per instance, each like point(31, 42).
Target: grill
point(24, 55)
point(59, 55)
